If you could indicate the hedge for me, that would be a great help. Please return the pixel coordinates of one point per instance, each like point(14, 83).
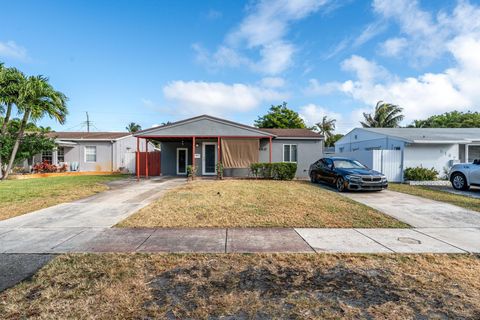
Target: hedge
point(420, 174)
point(275, 170)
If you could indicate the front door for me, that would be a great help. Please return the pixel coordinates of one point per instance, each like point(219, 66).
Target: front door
point(209, 158)
point(182, 156)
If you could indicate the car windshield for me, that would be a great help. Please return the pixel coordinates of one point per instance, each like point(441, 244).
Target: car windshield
point(348, 164)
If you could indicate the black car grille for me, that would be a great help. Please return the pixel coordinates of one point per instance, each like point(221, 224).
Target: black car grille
point(371, 179)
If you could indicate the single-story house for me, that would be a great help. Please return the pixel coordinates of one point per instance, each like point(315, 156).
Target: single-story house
point(205, 141)
point(437, 148)
point(91, 151)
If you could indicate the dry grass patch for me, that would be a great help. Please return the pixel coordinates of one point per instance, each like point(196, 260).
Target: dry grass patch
point(439, 195)
point(257, 203)
point(18, 197)
point(122, 286)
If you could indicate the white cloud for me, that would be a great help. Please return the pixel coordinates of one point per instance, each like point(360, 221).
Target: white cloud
point(424, 36)
point(272, 82)
point(394, 46)
point(11, 49)
point(217, 98)
point(316, 88)
point(262, 31)
point(313, 114)
point(455, 88)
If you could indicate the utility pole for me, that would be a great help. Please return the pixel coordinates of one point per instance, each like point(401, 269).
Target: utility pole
point(88, 122)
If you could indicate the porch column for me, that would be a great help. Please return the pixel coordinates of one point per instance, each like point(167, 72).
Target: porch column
point(146, 158)
point(219, 159)
point(138, 160)
point(466, 152)
point(270, 148)
point(193, 152)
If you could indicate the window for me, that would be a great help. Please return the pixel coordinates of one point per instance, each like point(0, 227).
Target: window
point(47, 156)
point(61, 154)
point(289, 153)
point(90, 154)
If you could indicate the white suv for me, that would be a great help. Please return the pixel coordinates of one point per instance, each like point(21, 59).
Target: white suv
point(464, 175)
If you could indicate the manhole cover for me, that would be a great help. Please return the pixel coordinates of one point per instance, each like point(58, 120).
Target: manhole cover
point(409, 240)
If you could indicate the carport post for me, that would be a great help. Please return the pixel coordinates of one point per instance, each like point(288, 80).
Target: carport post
point(138, 159)
point(146, 158)
point(218, 151)
point(193, 153)
point(270, 148)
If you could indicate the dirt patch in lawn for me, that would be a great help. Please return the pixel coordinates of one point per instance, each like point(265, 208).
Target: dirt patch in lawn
point(469, 203)
point(289, 286)
point(18, 197)
point(257, 203)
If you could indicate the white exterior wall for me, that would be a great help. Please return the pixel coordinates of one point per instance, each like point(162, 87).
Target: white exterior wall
point(436, 156)
point(361, 140)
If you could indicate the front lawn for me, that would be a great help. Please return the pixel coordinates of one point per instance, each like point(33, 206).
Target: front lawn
point(282, 286)
point(21, 196)
point(439, 195)
point(257, 203)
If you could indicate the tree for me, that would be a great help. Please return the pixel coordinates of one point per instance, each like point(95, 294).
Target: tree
point(326, 127)
point(133, 127)
point(454, 119)
point(280, 117)
point(386, 115)
point(33, 142)
point(36, 99)
point(330, 141)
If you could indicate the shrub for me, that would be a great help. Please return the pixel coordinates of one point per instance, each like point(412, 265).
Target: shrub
point(276, 170)
point(420, 174)
point(191, 172)
point(219, 170)
point(44, 167)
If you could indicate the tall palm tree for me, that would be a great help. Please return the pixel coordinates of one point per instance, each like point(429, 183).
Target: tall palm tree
point(133, 127)
point(37, 99)
point(326, 127)
point(10, 80)
point(386, 115)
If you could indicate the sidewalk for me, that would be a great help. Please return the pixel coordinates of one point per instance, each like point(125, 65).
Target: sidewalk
point(212, 240)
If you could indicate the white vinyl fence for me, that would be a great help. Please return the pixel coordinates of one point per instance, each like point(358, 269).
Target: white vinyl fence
point(129, 161)
point(388, 162)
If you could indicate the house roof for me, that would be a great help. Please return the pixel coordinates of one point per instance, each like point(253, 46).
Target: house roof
point(293, 133)
point(164, 128)
point(431, 135)
point(68, 135)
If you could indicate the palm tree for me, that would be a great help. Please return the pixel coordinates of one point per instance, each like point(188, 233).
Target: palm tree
point(326, 127)
point(386, 115)
point(10, 80)
point(37, 99)
point(133, 127)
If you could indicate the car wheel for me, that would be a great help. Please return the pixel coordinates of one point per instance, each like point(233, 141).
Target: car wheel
point(313, 177)
point(340, 184)
point(459, 181)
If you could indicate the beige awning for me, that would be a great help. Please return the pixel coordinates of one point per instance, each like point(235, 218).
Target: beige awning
point(239, 153)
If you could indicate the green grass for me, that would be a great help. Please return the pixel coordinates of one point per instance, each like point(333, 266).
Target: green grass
point(426, 192)
point(18, 197)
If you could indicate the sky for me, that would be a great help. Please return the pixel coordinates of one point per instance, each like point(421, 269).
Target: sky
point(151, 62)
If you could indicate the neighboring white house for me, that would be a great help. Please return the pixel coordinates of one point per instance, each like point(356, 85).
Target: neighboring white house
point(437, 148)
point(92, 151)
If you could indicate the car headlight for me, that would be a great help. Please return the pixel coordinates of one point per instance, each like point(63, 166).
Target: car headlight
point(384, 178)
point(352, 177)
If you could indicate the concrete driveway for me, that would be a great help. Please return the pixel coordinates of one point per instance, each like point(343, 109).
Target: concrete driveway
point(42, 230)
point(417, 211)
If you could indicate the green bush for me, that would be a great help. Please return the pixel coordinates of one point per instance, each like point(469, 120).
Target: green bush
point(420, 174)
point(276, 170)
